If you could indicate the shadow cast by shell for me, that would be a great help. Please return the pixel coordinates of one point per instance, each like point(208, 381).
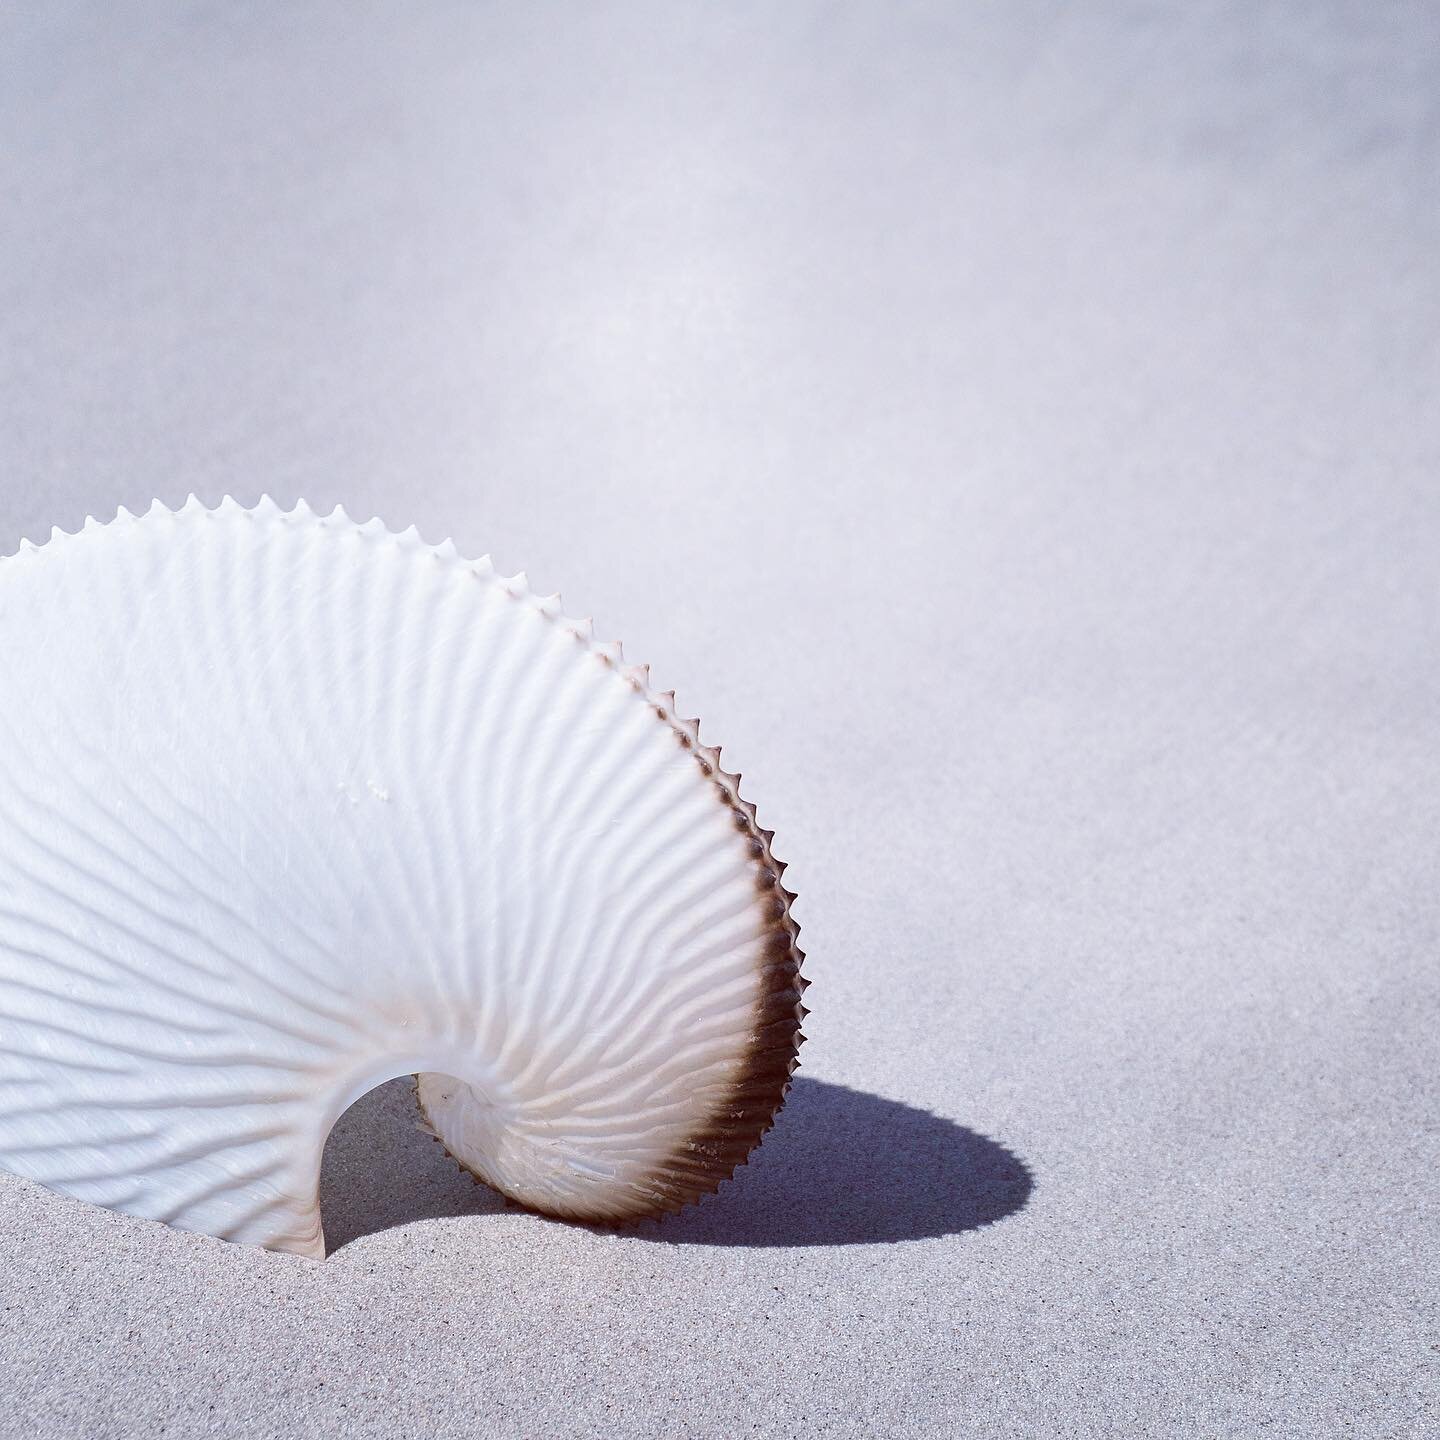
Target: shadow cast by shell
point(841, 1167)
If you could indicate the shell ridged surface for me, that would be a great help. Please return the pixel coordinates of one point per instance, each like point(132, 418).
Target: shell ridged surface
point(291, 805)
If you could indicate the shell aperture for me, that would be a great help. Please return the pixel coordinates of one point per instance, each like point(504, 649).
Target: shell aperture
point(290, 806)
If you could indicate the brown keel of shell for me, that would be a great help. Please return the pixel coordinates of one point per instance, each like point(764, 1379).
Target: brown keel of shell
point(712, 1153)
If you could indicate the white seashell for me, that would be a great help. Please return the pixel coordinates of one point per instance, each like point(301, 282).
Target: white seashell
point(290, 806)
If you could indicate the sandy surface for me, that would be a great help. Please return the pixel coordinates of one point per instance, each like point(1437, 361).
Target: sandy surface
point(1016, 431)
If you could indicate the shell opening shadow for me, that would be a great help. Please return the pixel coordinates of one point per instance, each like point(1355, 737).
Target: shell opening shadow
point(842, 1167)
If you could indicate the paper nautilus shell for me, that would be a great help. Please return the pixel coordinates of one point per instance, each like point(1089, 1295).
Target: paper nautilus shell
point(290, 806)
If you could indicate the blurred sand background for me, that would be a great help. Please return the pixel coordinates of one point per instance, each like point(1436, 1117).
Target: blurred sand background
point(1015, 429)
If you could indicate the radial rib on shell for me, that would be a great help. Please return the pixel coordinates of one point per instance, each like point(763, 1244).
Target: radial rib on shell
point(290, 806)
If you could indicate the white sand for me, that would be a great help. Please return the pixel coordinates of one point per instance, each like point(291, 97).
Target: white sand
point(1017, 433)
